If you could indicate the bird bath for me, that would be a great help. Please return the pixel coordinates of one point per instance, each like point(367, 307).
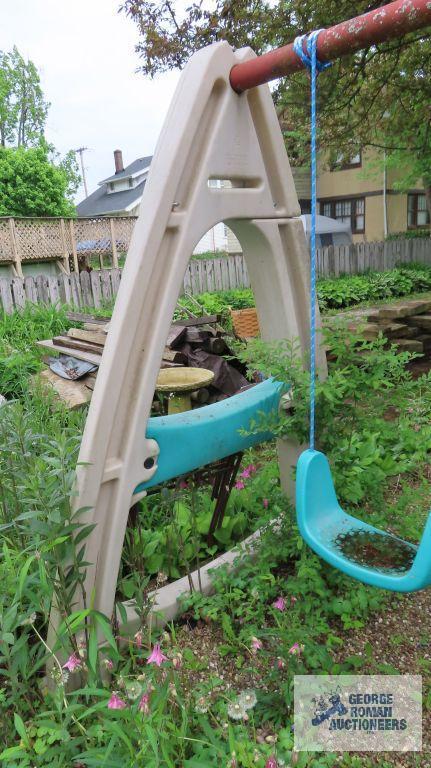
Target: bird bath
point(180, 383)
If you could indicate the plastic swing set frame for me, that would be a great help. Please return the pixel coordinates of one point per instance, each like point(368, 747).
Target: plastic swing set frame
point(221, 125)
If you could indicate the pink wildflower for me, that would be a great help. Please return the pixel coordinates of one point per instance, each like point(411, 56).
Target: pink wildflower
point(138, 639)
point(295, 649)
point(239, 485)
point(280, 604)
point(256, 644)
point(144, 704)
point(115, 702)
point(265, 503)
point(73, 662)
point(293, 600)
point(108, 664)
point(271, 762)
point(248, 471)
point(156, 656)
point(280, 663)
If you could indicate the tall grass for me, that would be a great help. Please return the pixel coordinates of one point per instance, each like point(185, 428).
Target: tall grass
point(20, 357)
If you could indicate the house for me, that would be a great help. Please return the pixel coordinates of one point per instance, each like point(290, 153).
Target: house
point(360, 190)
point(121, 193)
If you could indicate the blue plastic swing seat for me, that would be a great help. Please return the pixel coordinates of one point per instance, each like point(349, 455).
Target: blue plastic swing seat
point(345, 542)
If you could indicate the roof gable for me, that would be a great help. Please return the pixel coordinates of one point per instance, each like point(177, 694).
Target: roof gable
point(138, 165)
point(100, 203)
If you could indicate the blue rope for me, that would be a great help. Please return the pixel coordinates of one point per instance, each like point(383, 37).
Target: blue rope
point(310, 60)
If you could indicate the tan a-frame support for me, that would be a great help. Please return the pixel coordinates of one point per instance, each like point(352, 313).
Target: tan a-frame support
point(210, 133)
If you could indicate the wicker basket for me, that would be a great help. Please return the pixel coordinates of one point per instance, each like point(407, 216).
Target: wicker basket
point(245, 322)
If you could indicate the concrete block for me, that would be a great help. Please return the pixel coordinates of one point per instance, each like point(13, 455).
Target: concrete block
point(408, 345)
point(423, 321)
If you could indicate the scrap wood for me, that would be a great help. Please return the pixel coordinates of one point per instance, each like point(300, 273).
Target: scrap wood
point(175, 335)
point(81, 317)
point(174, 356)
point(204, 320)
point(84, 346)
point(90, 381)
point(90, 357)
point(94, 337)
point(196, 335)
point(97, 327)
point(73, 393)
point(199, 308)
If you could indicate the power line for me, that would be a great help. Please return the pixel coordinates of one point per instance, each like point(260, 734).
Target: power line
point(81, 151)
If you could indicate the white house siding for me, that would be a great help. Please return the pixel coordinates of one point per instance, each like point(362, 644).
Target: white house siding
point(233, 244)
point(214, 240)
point(219, 238)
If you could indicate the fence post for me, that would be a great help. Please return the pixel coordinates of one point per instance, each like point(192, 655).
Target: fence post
point(113, 244)
point(66, 267)
point(73, 241)
point(17, 257)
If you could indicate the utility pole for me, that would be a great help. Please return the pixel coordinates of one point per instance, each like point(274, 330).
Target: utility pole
point(81, 151)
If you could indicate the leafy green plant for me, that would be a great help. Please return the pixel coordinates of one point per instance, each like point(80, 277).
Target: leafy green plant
point(19, 355)
point(170, 534)
point(367, 444)
point(333, 293)
point(281, 610)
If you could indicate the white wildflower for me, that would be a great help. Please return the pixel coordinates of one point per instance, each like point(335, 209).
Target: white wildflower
point(236, 711)
point(247, 699)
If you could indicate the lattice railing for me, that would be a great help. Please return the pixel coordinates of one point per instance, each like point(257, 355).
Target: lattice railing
point(6, 244)
point(69, 241)
point(39, 238)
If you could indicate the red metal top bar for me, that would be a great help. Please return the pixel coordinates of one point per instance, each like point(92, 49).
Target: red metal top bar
point(389, 21)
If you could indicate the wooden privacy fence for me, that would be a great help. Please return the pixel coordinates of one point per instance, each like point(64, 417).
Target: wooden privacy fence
point(224, 273)
point(377, 257)
point(231, 271)
point(64, 241)
point(219, 274)
point(87, 289)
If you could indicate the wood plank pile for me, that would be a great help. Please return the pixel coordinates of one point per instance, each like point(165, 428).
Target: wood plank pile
point(194, 341)
point(406, 324)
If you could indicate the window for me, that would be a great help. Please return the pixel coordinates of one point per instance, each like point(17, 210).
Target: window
point(343, 161)
point(326, 239)
point(417, 211)
point(351, 211)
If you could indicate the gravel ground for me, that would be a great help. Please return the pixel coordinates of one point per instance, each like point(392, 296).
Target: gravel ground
point(400, 638)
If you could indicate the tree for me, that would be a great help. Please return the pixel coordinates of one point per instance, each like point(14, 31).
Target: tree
point(23, 109)
point(379, 97)
point(33, 182)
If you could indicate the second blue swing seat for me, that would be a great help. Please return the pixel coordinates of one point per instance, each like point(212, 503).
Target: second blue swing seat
point(326, 528)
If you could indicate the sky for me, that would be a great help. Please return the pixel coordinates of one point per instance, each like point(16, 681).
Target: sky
point(85, 55)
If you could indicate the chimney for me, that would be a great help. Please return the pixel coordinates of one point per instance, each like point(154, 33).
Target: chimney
point(118, 158)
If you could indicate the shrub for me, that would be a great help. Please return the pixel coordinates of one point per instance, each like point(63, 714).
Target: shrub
point(333, 293)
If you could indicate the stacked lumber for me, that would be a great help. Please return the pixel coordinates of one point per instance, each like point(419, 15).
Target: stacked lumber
point(406, 324)
point(195, 341)
point(87, 343)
